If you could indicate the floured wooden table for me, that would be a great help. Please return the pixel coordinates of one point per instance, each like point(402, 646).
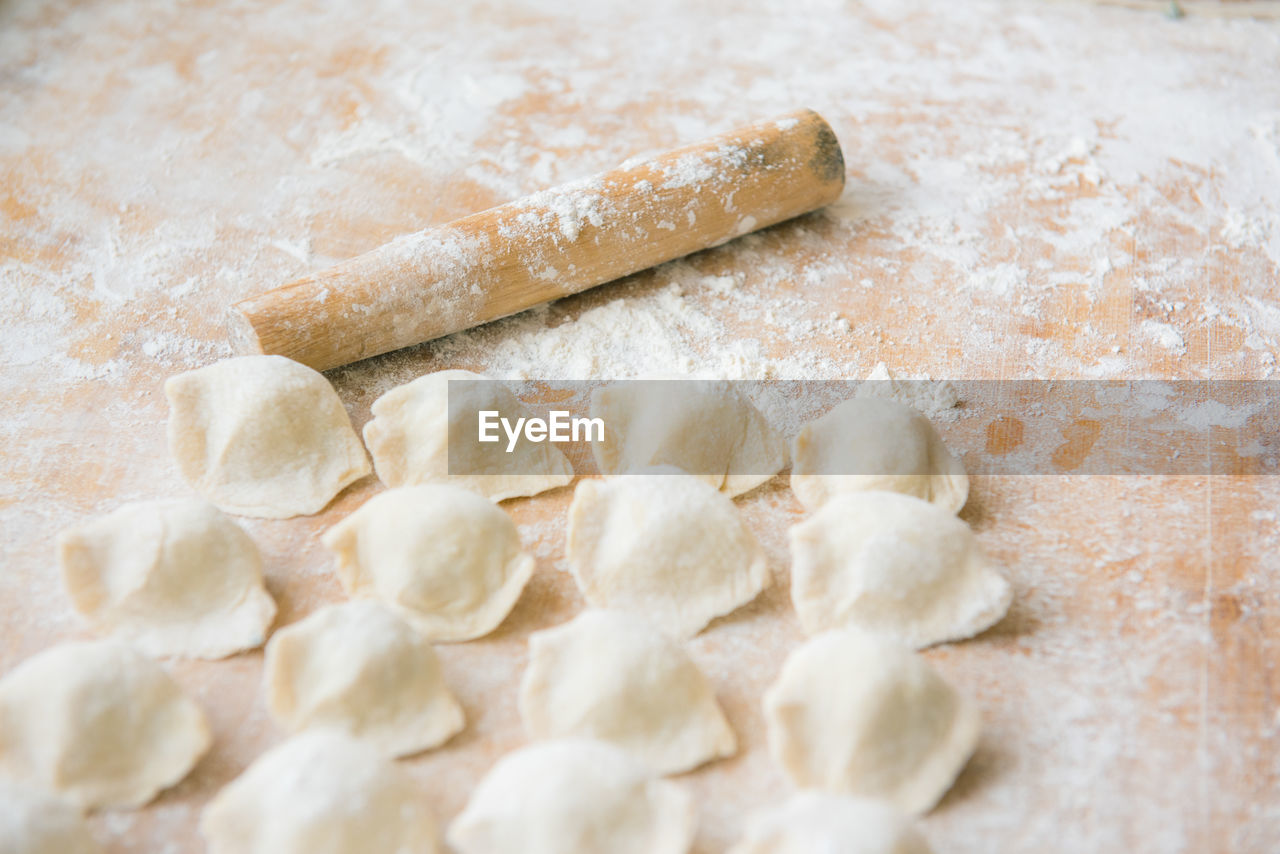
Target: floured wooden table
point(1033, 191)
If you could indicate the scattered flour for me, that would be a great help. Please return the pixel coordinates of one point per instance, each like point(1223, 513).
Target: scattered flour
point(659, 333)
point(1215, 413)
point(1163, 334)
point(1022, 175)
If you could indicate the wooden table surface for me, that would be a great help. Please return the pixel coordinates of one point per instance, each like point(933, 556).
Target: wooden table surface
point(1034, 190)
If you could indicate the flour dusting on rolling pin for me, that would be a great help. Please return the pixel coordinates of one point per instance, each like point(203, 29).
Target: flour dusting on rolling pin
point(548, 245)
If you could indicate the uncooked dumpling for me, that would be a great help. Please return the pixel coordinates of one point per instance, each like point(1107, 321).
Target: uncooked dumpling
point(896, 566)
point(859, 715)
point(33, 821)
point(574, 796)
point(448, 560)
point(664, 545)
point(320, 792)
point(823, 823)
point(262, 436)
point(172, 577)
point(870, 443)
point(98, 722)
point(409, 439)
point(708, 428)
point(611, 676)
point(360, 668)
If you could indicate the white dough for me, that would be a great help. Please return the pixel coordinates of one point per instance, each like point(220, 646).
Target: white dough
point(171, 577)
point(611, 676)
point(870, 443)
point(36, 822)
point(896, 566)
point(822, 823)
point(98, 722)
point(320, 792)
point(262, 436)
point(706, 427)
point(573, 796)
point(448, 560)
point(360, 668)
point(409, 439)
point(855, 714)
point(664, 545)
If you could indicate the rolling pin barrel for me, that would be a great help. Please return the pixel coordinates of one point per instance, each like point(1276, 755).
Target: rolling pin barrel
point(548, 245)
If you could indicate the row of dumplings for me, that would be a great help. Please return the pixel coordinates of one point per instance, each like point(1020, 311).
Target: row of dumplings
point(657, 555)
point(265, 436)
point(615, 702)
point(323, 791)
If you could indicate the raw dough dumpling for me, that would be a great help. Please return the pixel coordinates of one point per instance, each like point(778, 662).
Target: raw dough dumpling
point(98, 722)
point(171, 577)
point(706, 427)
point(858, 715)
point(574, 796)
point(664, 545)
point(360, 668)
point(448, 560)
point(895, 566)
point(262, 436)
point(36, 822)
point(409, 439)
point(611, 676)
point(822, 823)
point(870, 443)
point(320, 792)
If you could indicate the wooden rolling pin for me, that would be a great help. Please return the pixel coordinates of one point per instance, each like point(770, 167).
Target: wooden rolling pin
point(547, 245)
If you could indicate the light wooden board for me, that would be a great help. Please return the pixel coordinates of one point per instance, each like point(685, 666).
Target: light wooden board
point(1033, 190)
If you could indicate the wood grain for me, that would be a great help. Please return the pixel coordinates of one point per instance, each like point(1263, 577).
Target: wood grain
point(161, 162)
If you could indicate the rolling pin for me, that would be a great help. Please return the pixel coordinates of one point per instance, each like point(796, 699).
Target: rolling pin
point(548, 245)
